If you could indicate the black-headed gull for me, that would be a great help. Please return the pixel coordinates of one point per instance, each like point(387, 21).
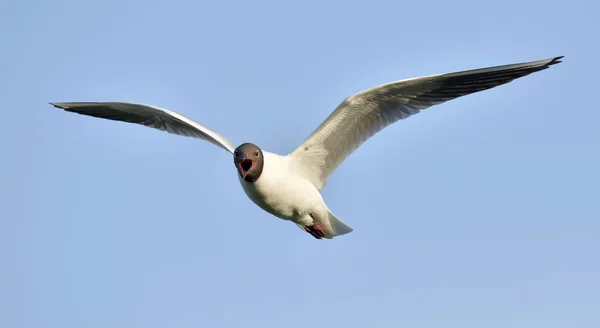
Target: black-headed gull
point(289, 186)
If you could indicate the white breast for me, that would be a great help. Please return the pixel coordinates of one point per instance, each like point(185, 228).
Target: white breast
point(282, 192)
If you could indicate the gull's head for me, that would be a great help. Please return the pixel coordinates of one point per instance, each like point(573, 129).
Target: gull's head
point(248, 159)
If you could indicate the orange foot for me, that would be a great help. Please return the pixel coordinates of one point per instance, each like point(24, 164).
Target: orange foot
point(315, 230)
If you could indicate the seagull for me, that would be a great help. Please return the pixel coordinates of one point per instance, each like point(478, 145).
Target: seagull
point(289, 186)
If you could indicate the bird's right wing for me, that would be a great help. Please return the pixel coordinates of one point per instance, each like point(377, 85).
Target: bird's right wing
point(362, 115)
point(150, 116)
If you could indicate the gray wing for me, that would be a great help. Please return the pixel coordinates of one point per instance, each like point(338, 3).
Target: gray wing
point(150, 116)
point(362, 115)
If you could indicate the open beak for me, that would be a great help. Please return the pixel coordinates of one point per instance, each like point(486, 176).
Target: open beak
point(245, 165)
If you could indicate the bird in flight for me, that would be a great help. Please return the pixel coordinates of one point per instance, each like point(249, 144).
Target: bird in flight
point(289, 186)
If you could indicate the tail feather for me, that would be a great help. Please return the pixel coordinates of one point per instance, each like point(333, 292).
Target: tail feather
point(338, 226)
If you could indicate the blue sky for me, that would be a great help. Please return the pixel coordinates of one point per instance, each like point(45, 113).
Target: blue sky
point(481, 212)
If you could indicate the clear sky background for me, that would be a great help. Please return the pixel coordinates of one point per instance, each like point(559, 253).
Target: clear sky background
point(482, 212)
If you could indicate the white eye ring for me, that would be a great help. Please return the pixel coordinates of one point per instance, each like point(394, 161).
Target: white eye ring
point(256, 153)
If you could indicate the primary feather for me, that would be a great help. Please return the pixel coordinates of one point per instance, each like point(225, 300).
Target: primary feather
point(362, 115)
point(150, 116)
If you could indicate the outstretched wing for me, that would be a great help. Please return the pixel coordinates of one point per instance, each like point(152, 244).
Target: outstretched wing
point(150, 116)
point(362, 115)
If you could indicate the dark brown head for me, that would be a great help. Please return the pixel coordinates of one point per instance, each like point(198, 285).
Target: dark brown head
point(248, 159)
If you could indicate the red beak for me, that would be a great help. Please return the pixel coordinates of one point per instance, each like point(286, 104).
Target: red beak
point(245, 165)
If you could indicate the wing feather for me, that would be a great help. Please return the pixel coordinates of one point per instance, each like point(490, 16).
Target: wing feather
point(150, 116)
point(362, 115)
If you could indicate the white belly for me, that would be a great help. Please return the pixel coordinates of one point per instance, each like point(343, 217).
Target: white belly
point(283, 193)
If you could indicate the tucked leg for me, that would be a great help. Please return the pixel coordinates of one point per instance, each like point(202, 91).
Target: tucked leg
point(315, 230)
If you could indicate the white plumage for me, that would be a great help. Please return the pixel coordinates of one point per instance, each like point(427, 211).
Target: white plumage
point(289, 186)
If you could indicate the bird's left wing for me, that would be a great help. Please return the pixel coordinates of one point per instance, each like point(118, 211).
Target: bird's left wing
point(150, 116)
point(362, 115)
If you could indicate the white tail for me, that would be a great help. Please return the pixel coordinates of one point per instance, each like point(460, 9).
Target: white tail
point(339, 227)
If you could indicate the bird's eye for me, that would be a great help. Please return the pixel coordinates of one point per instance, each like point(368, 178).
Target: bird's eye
point(256, 153)
point(235, 153)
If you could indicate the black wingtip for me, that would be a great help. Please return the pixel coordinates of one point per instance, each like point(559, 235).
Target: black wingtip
point(58, 105)
point(555, 60)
